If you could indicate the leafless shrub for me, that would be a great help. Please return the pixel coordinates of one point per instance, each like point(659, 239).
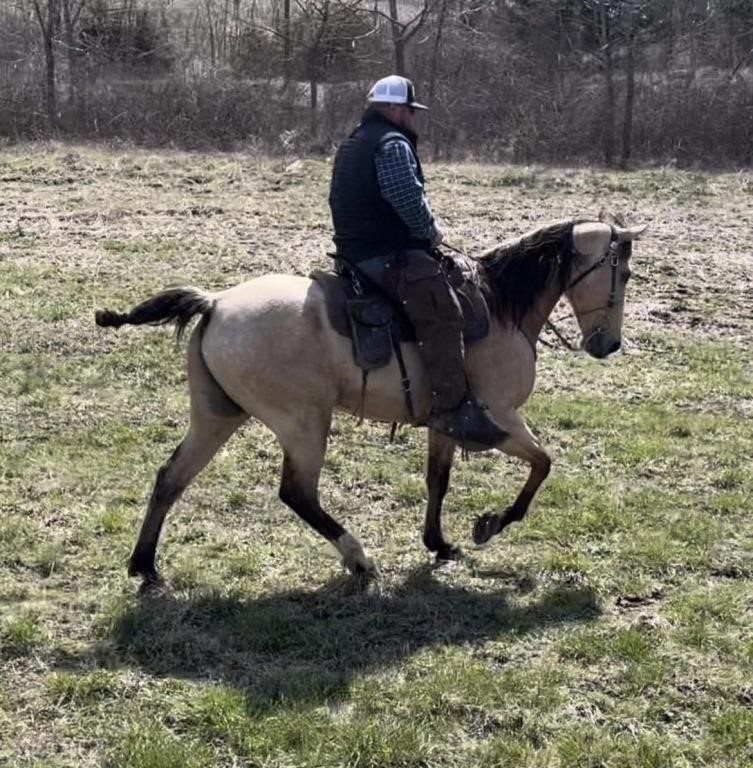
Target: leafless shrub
point(526, 80)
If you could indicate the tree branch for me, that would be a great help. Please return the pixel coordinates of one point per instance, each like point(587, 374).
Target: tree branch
point(38, 12)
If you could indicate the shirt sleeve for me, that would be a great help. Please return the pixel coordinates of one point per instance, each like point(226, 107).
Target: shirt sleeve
point(400, 186)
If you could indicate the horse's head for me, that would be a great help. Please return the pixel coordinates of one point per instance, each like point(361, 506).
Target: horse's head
point(597, 289)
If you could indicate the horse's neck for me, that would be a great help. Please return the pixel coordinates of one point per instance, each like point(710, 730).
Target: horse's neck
point(533, 320)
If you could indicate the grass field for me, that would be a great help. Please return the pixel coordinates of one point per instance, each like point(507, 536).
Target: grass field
point(612, 629)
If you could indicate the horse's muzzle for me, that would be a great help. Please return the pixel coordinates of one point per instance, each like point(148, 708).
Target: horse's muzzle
point(601, 346)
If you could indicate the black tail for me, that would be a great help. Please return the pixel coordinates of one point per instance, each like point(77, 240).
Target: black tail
point(176, 305)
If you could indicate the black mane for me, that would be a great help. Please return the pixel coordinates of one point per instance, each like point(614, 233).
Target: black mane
point(517, 272)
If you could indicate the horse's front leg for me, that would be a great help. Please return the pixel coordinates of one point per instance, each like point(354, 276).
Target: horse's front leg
point(520, 442)
point(438, 466)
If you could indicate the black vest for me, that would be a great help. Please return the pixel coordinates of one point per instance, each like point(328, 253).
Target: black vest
point(365, 223)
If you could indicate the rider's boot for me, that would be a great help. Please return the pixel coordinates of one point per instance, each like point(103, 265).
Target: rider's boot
point(469, 423)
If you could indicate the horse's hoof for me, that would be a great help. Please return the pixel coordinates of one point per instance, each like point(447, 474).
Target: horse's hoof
point(450, 553)
point(354, 558)
point(485, 527)
point(366, 569)
point(362, 577)
point(143, 564)
point(152, 585)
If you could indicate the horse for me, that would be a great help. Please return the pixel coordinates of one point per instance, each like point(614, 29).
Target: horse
point(265, 349)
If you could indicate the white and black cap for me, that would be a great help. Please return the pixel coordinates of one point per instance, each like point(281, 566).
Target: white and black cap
point(394, 90)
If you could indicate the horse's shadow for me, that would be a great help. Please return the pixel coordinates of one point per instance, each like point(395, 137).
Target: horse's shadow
point(308, 645)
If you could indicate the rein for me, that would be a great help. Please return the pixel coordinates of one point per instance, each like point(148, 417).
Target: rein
point(561, 336)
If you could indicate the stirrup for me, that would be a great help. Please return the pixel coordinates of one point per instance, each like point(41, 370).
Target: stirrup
point(470, 424)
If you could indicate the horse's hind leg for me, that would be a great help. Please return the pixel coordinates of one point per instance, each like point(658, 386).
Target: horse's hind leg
point(203, 440)
point(304, 440)
point(214, 418)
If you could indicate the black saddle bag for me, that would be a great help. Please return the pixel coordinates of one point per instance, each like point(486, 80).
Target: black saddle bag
point(371, 327)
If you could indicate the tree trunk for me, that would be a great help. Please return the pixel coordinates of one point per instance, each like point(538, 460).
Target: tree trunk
point(398, 41)
point(609, 77)
point(286, 53)
point(627, 126)
point(221, 28)
point(433, 71)
point(435, 52)
point(313, 95)
point(210, 30)
point(236, 26)
point(48, 26)
point(71, 14)
point(313, 59)
point(68, 28)
point(50, 95)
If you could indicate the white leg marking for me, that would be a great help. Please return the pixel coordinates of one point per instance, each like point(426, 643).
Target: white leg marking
point(353, 555)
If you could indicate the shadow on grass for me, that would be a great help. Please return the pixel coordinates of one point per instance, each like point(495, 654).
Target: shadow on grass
point(308, 645)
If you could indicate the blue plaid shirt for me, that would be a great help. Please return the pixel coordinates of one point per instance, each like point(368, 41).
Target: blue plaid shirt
point(400, 186)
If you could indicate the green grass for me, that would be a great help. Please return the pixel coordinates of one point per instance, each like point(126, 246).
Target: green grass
point(611, 629)
point(146, 744)
point(20, 634)
point(80, 687)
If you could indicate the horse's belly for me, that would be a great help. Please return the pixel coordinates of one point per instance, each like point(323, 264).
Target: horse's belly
point(383, 398)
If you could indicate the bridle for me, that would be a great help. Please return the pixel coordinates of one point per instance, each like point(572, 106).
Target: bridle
point(612, 257)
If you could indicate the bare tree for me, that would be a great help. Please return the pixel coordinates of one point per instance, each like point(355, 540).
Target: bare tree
point(48, 16)
point(331, 29)
point(435, 49)
point(606, 40)
point(403, 31)
point(287, 47)
point(627, 125)
point(209, 11)
point(320, 12)
point(71, 11)
point(528, 79)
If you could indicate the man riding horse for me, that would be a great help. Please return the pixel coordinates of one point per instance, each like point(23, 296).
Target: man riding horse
point(267, 349)
point(385, 231)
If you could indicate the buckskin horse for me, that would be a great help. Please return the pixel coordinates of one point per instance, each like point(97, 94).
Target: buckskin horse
point(266, 349)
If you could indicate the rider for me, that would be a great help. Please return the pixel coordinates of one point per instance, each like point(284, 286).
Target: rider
point(385, 230)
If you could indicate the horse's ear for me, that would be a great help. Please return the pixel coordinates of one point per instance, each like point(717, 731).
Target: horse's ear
point(628, 233)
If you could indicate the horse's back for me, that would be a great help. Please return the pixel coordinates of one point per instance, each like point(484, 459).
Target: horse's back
point(262, 294)
point(277, 312)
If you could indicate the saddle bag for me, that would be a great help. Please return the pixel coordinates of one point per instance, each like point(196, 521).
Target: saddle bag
point(371, 329)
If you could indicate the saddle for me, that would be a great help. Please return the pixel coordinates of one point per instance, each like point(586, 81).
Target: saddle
point(377, 326)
